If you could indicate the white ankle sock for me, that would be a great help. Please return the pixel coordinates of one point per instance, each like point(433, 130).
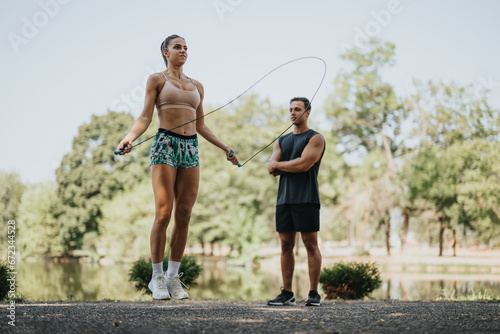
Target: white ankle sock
point(173, 268)
point(157, 269)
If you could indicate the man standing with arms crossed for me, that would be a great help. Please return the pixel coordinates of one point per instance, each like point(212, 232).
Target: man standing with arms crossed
point(296, 158)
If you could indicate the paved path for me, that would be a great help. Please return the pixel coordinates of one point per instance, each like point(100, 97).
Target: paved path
point(225, 316)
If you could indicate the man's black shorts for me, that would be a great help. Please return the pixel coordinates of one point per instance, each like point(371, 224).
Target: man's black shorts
point(297, 217)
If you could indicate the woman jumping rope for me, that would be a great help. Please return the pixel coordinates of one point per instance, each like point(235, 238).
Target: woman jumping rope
point(175, 170)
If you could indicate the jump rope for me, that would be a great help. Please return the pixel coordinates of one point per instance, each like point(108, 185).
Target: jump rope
point(237, 97)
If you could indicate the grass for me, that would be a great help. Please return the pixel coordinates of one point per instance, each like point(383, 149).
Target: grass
point(449, 294)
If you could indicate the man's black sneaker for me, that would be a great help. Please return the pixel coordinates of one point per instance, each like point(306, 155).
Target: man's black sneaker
point(313, 299)
point(285, 298)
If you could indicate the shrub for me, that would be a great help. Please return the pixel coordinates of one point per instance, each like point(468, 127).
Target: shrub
point(4, 284)
point(352, 280)
point(142, 270)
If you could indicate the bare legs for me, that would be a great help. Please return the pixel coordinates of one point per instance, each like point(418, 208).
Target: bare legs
point(172, 186)
point(310, 240)
point(186, 191)
point(287, 258)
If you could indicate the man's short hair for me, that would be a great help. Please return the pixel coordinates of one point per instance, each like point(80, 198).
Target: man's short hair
point(307, 104)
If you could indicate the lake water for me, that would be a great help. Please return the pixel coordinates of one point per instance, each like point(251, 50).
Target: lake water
point(44, 281)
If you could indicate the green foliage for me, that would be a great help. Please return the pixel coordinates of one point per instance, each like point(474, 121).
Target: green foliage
point(446, 113)
point(107, 198)
point(478, 194)
point(433, 175)
point(368, 117)
point(363, 107)
point(38, 229)
point(332, 172)
point(462, 183)
point(91, 174)
point(456, 165)
point(4, 284)
point(440, 163)
point(11, 191)
point(125, 226)
point(352, 280)
point(437, 150)
point(235, 206)
point(142, 270)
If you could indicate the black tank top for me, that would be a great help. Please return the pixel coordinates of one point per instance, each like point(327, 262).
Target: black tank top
point(298, 188)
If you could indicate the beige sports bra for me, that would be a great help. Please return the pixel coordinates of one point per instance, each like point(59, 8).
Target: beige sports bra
point(171, 97)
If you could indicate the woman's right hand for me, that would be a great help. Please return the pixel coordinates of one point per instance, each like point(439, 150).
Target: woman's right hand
point(125, 145)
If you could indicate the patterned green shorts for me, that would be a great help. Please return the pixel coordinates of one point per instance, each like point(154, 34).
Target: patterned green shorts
point(176, 150)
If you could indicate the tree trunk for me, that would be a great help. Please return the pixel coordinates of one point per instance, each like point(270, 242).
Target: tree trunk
point(352, 239)
point(202, 243)
point(387, 228)
point(441, 235)
point(212, 249)
point(487, 242)
point(464, 237)
point(406, 224)
point(454, 242)
point(388, 154)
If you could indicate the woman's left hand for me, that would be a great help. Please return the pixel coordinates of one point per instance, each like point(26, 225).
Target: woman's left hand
point(233, 159)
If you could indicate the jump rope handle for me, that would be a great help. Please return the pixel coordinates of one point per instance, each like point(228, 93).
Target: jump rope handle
point(120, 151)
point(230, 155)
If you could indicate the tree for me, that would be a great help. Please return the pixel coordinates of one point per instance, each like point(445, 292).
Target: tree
point(332, 181)
point(452, 124)
point(433, 176)
point(448, 113)
point(38, 229)
point(479, 189)
point(367, 117)
point(461, 181)
point(11, 191)
point(235, 206)
point(91, 173)
point(125, 226)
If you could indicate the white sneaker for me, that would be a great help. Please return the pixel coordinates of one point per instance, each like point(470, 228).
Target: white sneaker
point(158, 287)
point(174, 286)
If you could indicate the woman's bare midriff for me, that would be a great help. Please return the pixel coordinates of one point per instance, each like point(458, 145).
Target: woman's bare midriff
point(170, 118)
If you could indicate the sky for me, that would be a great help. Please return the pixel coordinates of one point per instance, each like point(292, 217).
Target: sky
point(62, 61)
